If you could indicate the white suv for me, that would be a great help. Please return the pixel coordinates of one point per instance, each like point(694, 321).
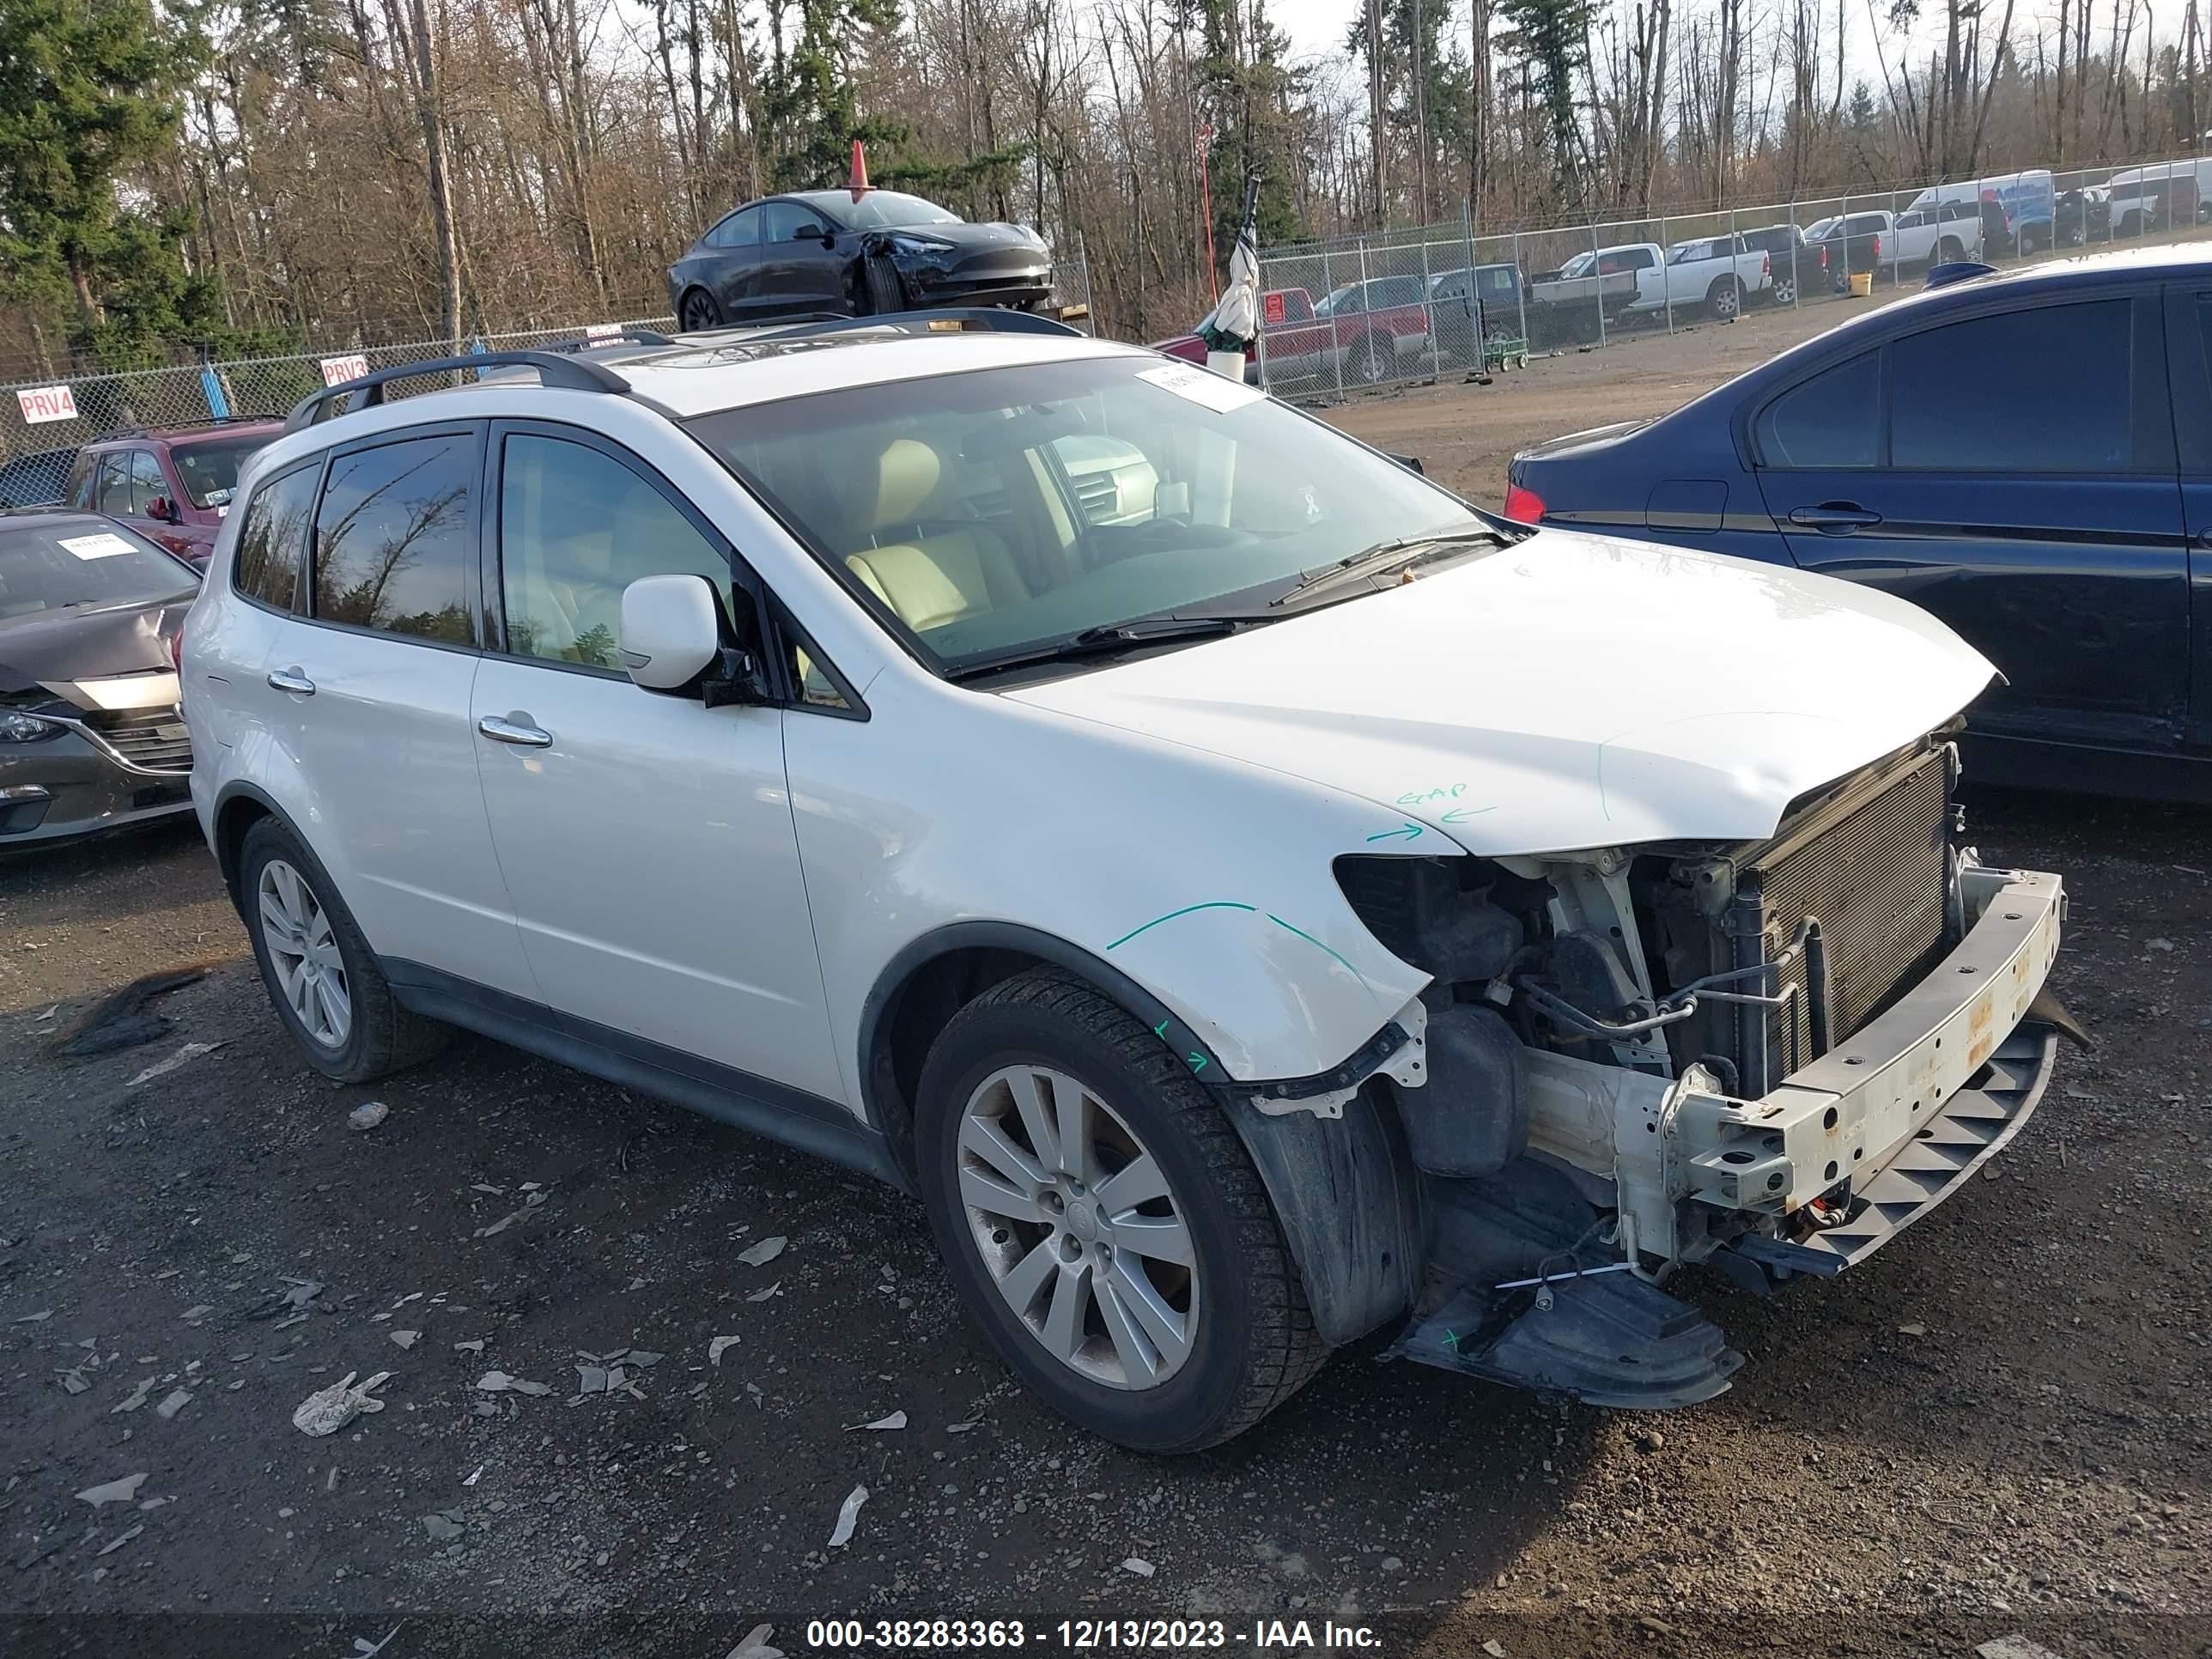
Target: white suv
point(1030, 770)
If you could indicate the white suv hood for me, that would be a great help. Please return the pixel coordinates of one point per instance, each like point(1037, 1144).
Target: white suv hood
point(1571, 692)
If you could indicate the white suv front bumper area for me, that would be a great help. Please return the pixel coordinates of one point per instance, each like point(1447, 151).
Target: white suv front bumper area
point(1815, 1176)
point(1889, 1124)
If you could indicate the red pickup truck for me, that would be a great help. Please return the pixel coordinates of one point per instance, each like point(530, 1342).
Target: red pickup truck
point(1371, 330)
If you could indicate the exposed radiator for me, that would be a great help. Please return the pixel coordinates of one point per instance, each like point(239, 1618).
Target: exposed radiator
point(1870, 861)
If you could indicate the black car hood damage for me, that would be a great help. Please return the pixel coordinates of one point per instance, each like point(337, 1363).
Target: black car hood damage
point(52, 647)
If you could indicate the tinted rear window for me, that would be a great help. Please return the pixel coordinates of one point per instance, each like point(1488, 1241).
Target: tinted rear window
point(1962, 395)
point(393, 542)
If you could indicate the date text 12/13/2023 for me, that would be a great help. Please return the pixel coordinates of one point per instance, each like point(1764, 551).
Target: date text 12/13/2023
point(1084, 1635)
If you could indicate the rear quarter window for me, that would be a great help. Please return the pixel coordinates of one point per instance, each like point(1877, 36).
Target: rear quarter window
point(1832, 420)
point(272, 540)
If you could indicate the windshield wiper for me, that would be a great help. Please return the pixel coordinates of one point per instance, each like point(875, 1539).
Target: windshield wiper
point(1109, 638)
point(1403, 552)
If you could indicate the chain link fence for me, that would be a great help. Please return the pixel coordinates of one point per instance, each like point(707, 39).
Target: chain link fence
point(43, 424)
point(1406, 307)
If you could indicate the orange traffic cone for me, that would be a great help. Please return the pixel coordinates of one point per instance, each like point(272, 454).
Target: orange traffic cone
point(860, 169)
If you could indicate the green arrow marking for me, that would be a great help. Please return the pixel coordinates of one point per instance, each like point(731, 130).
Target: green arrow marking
point(1406, 834)
point(1461, 814)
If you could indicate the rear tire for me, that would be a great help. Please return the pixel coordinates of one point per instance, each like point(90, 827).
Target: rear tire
point(1724, 299)
point(1370, 361)
point(1044, 1082)
point(1948, 251)
point(886, 294)
point(317, 967)
point(697, 310)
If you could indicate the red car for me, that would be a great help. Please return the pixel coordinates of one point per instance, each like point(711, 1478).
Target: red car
point(1371, 331)
point(171, 484)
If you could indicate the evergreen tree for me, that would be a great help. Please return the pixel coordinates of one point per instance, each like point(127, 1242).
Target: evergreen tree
point(807, 101)
point(90, 90)
point(1429, 110)
point(1247, 92)
point(1551, 38)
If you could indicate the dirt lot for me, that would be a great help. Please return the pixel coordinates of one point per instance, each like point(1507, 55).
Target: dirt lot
point(1999, 1425)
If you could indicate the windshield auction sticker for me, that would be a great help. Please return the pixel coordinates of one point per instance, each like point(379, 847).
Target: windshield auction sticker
point(1202, 386)
point(105, 545)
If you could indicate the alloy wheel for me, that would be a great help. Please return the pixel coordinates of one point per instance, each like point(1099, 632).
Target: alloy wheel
point(1785, 292)
point(303, 950)
point(698, 313)
point(1078, 1228)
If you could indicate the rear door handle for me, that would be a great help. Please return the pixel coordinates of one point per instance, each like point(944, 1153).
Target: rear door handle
point(515, 728)
point(1834, 518)
point(291, 679)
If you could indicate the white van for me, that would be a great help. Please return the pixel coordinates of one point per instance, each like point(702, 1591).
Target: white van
point(2029, 198)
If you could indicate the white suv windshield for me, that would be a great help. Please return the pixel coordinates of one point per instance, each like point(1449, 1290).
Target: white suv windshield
point(1003, 509)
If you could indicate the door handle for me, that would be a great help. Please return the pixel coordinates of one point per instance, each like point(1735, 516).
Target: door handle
point(1834, 518)
point(515, 728)
point(291, 679)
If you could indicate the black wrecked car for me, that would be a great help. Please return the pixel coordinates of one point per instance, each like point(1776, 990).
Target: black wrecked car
point(851, 253)
point(91, 735)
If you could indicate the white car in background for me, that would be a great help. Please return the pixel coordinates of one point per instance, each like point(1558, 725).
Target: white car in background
point(1273, 903)
point(1720, 273)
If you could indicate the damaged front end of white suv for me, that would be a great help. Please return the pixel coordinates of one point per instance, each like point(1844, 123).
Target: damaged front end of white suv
point(1769, 1057)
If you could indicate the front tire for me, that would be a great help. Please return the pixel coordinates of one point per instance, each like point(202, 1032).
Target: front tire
point(321, 976)
point(1104, 1222)
point(886, 294)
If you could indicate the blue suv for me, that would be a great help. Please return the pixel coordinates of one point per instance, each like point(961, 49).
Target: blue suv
point(2027, 455)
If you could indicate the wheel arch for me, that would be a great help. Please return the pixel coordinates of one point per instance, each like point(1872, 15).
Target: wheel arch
point(935, 975)
point(238, 808)
point(1344, 1191)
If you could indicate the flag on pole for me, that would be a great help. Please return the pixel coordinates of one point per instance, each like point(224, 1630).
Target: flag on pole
point(1234, 323)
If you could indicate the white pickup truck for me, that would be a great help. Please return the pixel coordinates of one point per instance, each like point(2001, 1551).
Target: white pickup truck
point(1935, 235)
point(1717, 272)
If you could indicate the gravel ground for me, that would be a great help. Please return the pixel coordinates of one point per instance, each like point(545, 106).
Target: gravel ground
point(1997, 1426)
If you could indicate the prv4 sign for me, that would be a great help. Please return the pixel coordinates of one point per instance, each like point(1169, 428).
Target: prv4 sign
point(41, 404)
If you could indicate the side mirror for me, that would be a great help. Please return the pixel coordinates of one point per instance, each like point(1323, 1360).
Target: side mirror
point(1410, 462)
point(163, 508)
point(675, 638)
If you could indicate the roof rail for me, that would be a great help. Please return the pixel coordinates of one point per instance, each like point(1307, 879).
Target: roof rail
point(124, 431)
point(554, 369)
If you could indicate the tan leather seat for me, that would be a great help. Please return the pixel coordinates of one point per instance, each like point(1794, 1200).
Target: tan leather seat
point(932, 579)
